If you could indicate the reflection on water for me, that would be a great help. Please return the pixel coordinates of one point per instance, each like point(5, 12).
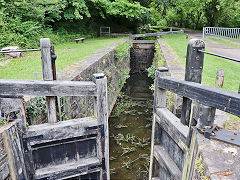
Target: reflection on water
point(130, 129)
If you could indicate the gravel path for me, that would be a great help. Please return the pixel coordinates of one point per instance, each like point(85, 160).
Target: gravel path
point(218, 48)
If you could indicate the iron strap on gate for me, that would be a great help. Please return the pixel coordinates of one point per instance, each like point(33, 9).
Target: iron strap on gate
point(218, 55)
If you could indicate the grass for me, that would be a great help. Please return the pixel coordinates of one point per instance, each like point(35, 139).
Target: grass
point(228, 43)
point(211, 64)
point(67, 53)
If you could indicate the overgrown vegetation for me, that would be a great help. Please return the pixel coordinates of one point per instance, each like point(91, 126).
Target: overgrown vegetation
point(158, 61)
point(22, 23)
point(122, 50)
point(196, 14)
point(36, 110)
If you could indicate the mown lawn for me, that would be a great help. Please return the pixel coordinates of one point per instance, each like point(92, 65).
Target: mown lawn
point(67, 53)
point(211, 64)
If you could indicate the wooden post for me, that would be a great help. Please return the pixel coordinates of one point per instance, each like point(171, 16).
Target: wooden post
point(193, 73)
point(101, 113)
point(160, 95)
point(220, 78)
point(205, 116)
point(160, 100)
point(239, 89)
point(48, 76)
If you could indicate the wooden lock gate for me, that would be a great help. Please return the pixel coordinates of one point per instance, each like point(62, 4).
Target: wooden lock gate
point(174, 144)
point(72, 149)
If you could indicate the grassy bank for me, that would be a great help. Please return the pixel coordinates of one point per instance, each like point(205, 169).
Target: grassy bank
point(67, 53)
point(226, 42)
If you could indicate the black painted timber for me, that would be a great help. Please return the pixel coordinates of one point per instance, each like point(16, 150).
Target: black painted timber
point(224, 100)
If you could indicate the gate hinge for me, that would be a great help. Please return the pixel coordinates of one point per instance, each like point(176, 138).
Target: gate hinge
point(220, 134)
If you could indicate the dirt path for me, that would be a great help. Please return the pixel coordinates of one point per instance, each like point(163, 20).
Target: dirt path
point(218, 48)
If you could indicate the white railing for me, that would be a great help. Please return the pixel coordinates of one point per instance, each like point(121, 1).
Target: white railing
point(233, 33)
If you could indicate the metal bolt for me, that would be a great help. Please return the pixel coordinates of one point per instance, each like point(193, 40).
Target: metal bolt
point(232, 139)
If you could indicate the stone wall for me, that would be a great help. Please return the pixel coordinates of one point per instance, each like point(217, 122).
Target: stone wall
point(103, 61)
point(142, 54)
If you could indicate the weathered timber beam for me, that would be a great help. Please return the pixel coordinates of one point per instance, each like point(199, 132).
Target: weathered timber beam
point(66, 129)
point(47, 88)
point(224, 100)
point(69, 170)
point(155, 34)
point(171, 124)
point(165, 160)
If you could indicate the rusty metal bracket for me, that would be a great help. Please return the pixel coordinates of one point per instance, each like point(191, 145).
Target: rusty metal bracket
point(220, 134)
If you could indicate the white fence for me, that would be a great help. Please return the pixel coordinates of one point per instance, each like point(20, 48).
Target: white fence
point(233, 33)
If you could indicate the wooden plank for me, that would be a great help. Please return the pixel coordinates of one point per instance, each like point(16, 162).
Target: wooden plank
point(61, 130)
point(4, 169)
point(47, 88)
point(101, 112)
point(14, 151)
point(155, 34)
point(224, 100)
point(163, 158)
point(171, 124)
point(68, 170)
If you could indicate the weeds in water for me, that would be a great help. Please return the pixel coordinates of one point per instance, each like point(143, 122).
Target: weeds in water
point(123, 104)
point(127, 150)
point(129, 138)
point(113, 171)
point(112, 158)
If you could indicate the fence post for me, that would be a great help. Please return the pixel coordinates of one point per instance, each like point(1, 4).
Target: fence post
point(160, 100)
point(239, 89)
point(47, 68)
point(220, 78)
point(101, 112)
point(193, 73)
point(203, 32)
